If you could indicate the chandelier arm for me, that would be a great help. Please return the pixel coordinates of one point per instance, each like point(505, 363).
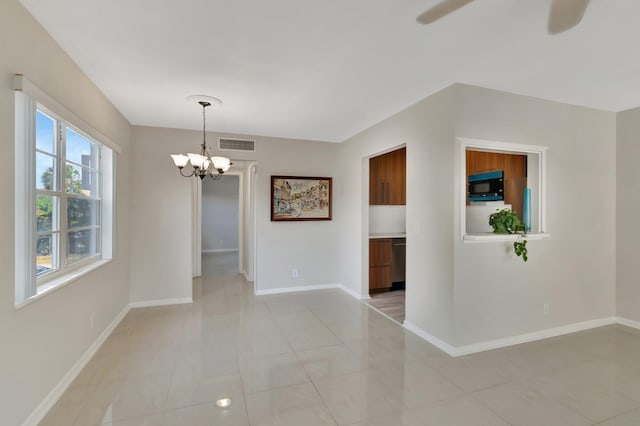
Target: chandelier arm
point(216, 176)
point(182, 173)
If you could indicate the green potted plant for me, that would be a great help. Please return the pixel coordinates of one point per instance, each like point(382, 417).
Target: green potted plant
point(505, 221)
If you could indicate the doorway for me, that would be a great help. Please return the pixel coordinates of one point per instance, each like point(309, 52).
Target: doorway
point(221, 220)
point(224, 220)
point(387, 232)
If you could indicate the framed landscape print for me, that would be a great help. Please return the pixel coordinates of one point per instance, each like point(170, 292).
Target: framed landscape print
point(296, 198)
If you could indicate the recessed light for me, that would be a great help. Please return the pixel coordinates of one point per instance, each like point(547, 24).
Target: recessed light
point(224, 402)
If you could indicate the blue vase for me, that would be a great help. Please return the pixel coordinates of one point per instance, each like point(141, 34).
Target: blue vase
point(526, 207)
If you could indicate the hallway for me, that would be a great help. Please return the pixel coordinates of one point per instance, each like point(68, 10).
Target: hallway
point(324, 358)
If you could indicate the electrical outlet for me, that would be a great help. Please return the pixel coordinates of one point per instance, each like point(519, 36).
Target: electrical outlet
point(546, 309)
point(294, 273)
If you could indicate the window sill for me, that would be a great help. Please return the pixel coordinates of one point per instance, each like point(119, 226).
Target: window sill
point(57, 283)
point(490, 237)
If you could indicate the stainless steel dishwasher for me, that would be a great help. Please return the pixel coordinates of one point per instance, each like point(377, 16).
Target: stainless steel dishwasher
point(398, 262)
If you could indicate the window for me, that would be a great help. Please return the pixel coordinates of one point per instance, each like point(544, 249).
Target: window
point(64, 195)
point(518, 168)
point(68, 196)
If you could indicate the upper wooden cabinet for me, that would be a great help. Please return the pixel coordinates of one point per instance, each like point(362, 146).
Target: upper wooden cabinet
point(514, 167)
point(388, 178)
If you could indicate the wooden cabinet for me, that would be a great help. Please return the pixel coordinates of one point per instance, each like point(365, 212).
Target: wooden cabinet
point(515, 182)
point(380, 260)
point(388, 178)
point(514, 167)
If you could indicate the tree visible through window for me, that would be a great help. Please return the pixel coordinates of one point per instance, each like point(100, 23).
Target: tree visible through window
point(67, 205)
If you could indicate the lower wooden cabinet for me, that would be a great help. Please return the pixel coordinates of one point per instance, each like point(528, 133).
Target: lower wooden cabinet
point(379, 278)
point(380, 258)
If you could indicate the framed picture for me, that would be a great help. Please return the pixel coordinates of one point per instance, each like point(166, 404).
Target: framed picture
point(300, 198)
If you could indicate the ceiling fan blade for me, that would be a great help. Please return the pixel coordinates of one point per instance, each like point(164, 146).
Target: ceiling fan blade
point(565, 14)
point(441, 10)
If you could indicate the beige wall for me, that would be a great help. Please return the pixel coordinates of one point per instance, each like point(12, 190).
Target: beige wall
point(42, 341)
point(467, 293)
point(161, 215)
point(628, 214)
point(427, 130)
point(496, 294)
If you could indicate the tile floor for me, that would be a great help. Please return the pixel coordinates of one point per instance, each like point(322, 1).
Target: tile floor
point(323, 358)
point(390, 303)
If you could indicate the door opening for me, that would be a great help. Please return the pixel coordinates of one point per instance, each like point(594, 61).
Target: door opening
point(223, 218)
point(220, 230)
point(387, 232)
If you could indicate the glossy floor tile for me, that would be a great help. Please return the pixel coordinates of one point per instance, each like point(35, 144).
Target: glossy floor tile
point(323, 358)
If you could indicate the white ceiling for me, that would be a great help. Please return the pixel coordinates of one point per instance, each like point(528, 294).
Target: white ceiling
point(327, 69)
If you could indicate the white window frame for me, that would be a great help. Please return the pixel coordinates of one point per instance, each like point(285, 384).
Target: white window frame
point(64, 266)
point(465, 144)
point(29, 98)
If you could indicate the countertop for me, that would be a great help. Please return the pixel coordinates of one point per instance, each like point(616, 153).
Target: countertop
point(388, 235)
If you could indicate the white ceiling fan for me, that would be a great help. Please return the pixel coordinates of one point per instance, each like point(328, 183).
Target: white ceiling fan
point(563, 15)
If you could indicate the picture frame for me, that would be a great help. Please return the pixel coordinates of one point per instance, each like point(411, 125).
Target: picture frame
point(301, 198)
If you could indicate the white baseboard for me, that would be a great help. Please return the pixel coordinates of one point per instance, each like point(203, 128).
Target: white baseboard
point(161, 302)
point(353, 293)
point(342, 287)
point(513, 340)
point(536, 335)
point(295, 289)
point(628, 322)
point(49, 401)
point(212, 251)
point(440, 344)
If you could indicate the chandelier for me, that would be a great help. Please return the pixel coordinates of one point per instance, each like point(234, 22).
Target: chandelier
point(203, 164)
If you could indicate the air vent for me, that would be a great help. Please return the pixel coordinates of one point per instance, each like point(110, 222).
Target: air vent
point(226, 144)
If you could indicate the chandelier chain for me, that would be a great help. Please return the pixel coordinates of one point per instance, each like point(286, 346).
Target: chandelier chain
point(204, 124)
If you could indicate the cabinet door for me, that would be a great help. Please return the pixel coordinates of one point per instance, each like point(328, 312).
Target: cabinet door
point(496, 162)
point(376, 184)
point(387, 178)
point(380, 250)
point(483, 162)
point(379, 278)
point(380, 258)
point(397, 186)
point(515, 181)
